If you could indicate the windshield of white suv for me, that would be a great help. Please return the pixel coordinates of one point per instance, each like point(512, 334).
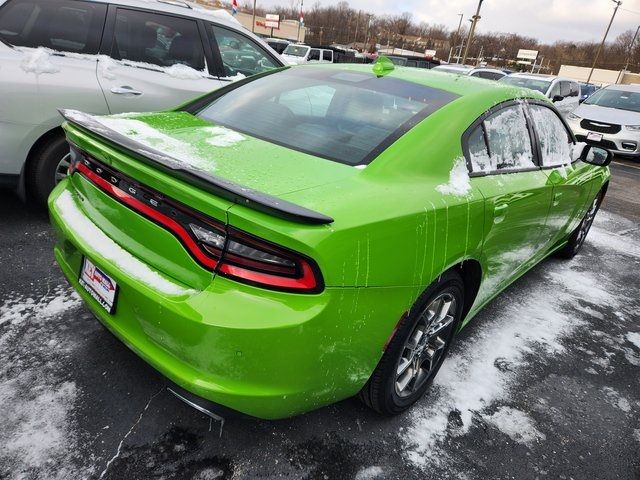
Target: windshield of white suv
point(296, 50)
point(533, 83)
point(615, 99)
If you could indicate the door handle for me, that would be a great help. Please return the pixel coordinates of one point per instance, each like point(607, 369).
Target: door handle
point(125, 90)
point(499, 212)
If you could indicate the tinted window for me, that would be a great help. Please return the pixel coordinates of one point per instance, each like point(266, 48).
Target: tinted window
point(62, 25)
point(156, 39)
point(314, 54)
point(533, 83)
point(331, 113)
point(326, 55)
point(554, 139)
point(508, 142)
point(624, 100)
point(240, 54)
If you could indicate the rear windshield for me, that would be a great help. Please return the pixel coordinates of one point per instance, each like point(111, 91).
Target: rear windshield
point(615, 99)
point(339, 115)
point(533, 83)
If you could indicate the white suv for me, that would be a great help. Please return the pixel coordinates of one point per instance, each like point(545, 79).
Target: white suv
point(105, 57)
point(563, 92)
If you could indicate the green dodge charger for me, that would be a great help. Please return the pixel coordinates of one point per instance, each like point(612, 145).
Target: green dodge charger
point(316, 232)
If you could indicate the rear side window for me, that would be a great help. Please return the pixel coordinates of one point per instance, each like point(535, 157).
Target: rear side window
point(62, 25)
point(554, 139)
point(327, 55)
point(501, 142)
point(240, 55)
point(314, 54)
point(339, 115)
point(157, 39)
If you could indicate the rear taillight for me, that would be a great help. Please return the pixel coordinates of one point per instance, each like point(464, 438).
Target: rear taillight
point(225, 250)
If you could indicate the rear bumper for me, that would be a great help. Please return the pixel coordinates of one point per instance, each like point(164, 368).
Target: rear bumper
point(263, 353)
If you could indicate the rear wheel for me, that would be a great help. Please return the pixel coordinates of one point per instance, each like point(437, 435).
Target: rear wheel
point(47, 166)
point(418, 348)
point(576, 239)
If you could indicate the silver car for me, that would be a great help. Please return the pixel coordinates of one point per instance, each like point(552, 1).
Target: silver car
point(105, 57)
point(563, 92)
point(610, 118)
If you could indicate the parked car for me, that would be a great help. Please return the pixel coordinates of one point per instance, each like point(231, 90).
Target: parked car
point(316, 232)
point(586, 90)
point(278, 44)
point(480, 72)
point(297, 54)
point(105, 57)
point(610, 118)
point(564, 92)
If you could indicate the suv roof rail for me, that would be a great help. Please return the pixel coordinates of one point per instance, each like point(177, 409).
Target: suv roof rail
point(177, 3)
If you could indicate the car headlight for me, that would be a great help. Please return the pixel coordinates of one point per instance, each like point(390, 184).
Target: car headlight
point(573, 116)
point(632, 128)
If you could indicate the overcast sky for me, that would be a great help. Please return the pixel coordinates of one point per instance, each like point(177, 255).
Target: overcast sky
point(547, 20)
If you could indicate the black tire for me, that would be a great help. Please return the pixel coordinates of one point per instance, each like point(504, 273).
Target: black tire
point(43, 164)
point(380, 393)
point(577, 237)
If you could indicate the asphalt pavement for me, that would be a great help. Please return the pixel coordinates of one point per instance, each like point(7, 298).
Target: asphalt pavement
point(543, 383)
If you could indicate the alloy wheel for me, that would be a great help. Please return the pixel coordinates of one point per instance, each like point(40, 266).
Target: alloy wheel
point(62, 168)
point(585, 225)
point(425, 346)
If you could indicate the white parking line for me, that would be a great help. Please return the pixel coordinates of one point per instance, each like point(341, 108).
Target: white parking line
point(627, 165)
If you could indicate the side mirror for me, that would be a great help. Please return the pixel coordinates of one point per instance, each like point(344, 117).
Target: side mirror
point(596, 156)
point(557, 98)
point(581, 100)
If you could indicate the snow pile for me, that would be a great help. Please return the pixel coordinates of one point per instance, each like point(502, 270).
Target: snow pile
point(634, 338)
point(222, 137)
point(81, 226)
point(459, 184)
point(183, 72)
point(235, 78)
point(516, 424)
point(143, 133)
point(369, 473)
point(16, 310)
point(38, 61)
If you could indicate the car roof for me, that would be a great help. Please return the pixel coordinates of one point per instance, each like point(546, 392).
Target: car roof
point(180, 7)
point(541, 76)
point(460, 85)
point(626, 88)
point(487, 69)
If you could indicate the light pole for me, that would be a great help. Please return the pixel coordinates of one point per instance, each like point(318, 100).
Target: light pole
point(626, 66)
point(253, 21)
point(604, 39)
point(475, 19)
point(456, 39)
point(299, 20)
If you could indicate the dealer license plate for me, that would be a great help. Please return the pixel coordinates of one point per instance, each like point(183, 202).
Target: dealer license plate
point(594, 137)
point(100, 286)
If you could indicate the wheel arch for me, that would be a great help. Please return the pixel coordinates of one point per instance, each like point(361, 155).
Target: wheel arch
point(471, 272)
point(55, 132)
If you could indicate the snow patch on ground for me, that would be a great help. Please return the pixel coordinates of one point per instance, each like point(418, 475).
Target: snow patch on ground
point(634, 337)
point(38, 61)
point(516, 424)
point(369, 473)
point(617, 400)
point(80, 225)
point(36, 431)
point(459, 184)
point(636, 434)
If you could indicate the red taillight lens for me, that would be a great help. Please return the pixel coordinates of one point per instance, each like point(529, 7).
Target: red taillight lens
point(225, 250)
point(255, 261)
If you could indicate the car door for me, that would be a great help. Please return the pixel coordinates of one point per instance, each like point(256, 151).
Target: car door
point(504, 167)
point(155, 61)
point(571, 180)
point(239, 54)
point(48, 60)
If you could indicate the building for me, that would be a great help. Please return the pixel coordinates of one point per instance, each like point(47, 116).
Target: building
point(600, 76)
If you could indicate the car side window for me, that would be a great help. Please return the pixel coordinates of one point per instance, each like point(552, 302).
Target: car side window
point(157, 39)
point(314, 54)
point(327, 56)
point(555, 90)
point(240, 54)
point(574, 89)
point(508, 139)
point(555, 141)
point(62, 25)
point(565, 89)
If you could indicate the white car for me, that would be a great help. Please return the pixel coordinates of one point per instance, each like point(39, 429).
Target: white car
point(105, 57)
point(297, 54)
point(610, 118)
point(563, 92)
point(480, 72)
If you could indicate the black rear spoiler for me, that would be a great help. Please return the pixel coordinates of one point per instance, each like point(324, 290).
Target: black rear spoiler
point(206, 181)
